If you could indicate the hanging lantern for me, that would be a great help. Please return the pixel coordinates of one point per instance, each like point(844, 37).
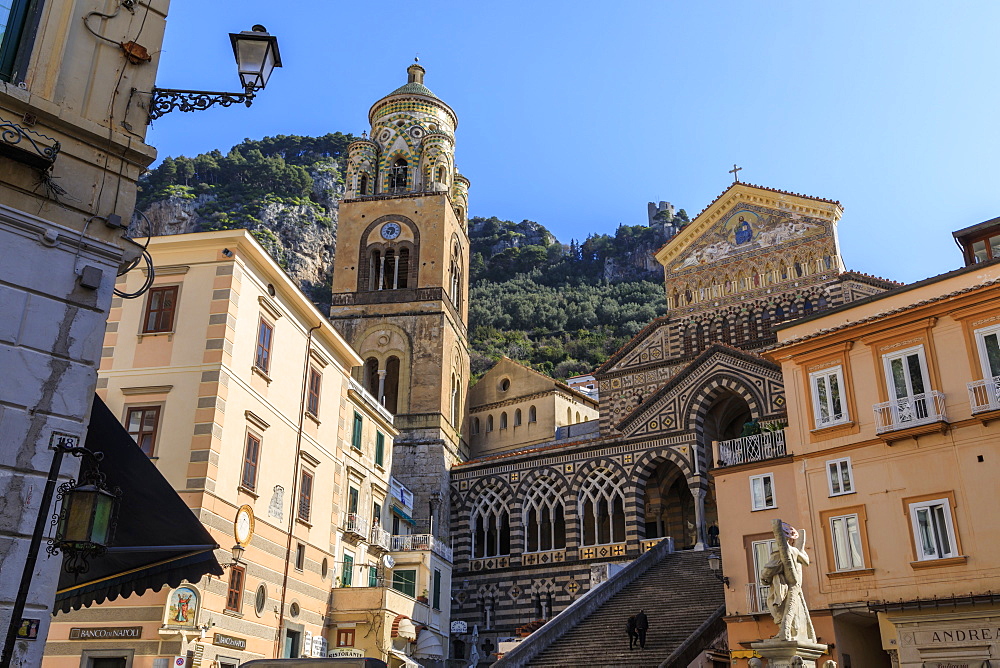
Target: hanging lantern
point(86, 521)
point(257, 55)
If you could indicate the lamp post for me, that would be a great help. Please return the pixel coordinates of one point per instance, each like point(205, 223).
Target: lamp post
point(257, 55)
point(92, 518)
point(85, 523)
point(715, 565)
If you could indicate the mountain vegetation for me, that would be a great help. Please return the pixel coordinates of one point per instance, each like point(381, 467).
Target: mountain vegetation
point(561, 308)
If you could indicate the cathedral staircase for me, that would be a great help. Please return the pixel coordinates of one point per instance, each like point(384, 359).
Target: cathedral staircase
point(679, 593)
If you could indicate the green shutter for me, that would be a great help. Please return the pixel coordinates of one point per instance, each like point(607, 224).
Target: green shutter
point(356, 434)
point(379, 448)
point(405, 582)
point(372, 575)
point(436, 601)
point(348, 574)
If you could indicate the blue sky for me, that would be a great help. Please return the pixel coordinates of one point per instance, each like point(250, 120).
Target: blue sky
point(575, 114)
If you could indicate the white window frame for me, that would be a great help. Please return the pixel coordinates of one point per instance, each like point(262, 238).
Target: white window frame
point(760, 559)
point(949, 528)
point(823, 376)
point(890, 383)
point(837, 478)
point(753, 497)
point(844, 557)
point(984, 359)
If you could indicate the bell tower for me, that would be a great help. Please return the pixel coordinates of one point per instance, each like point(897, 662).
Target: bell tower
point(400, 283)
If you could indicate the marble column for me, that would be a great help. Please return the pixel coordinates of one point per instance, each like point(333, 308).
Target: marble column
point(699, 515)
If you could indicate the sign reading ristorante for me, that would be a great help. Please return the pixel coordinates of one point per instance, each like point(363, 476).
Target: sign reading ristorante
point(105, 633)
point(229, 641)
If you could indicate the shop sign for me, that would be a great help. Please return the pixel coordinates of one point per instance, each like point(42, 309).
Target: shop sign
point(345, 653)
point(458, 626)
point(230, 642)
point(106, 633)
point(956, 664)
point(960, 635)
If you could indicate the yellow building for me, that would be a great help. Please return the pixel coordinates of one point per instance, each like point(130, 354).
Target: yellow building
point(240, 391)
point(514, 406)
point(888, 462)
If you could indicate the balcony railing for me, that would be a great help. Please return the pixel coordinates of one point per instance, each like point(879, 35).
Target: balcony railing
point(372, 402)
point(381, 538)
point(984, 395)
point(355, 523)
point(909, 412)
point(420, 541)
point(756, 448)
point(757, 598)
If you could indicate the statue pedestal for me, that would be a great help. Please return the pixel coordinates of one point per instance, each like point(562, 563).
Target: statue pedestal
point(782, 653)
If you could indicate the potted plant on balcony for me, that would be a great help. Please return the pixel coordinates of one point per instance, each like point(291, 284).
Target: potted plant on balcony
point(423, 597)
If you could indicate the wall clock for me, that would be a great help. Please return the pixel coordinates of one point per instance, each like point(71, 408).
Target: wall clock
point(243, 526)
point(390, 231)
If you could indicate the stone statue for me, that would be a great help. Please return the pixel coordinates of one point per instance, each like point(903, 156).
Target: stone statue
point(830, 664)
point(755, 663)
point(474, 653)
point(783, 573)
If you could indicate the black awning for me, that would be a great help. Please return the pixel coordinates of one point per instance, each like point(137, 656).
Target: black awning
point(152, 516)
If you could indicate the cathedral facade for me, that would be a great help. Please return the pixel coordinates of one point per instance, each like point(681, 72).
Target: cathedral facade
point(535, 521)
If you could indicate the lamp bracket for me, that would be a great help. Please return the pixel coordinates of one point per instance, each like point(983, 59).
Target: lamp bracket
point(165, 100)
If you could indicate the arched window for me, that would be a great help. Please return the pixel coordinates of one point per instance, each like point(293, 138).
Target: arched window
point(388, 269)
point(390, 397)
point(517, 417)
point(397, 175)
point(798, 269)
point(456, 276)
point(544, 517)
point(489, 423)
point(532, 414)
point(442, 174)
point(454, 399)
point(807, 307)
point(490, 525)
point(569, 415)
point(578, 417)
point(370, 380)
point(363, 185)
point(779, 314)
point(503, 420)
point(475, 425)
point(602, 507)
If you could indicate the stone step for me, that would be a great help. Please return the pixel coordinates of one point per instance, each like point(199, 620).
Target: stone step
point(678, 594)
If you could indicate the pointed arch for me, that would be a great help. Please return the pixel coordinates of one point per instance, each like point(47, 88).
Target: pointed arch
point(543, 515)
point(489, 522)
point(601, 503)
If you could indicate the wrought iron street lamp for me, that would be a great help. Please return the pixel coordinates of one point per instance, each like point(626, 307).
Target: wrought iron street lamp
point(715, 565)
point(85, 523)
point(257, 55)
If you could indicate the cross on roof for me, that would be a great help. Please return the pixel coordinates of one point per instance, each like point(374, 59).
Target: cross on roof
point(735, 171)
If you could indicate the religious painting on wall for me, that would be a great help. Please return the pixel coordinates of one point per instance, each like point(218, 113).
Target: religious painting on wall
point(748, 228)
point(182, 607)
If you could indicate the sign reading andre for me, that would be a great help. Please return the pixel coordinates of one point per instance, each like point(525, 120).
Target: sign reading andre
point(106, 633)
point(230, 642)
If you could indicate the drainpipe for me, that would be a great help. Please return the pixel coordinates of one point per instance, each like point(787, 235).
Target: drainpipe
point(292, 511)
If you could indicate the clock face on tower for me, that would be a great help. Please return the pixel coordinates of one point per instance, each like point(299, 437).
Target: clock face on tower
point(243, 527)
point(390, 231)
